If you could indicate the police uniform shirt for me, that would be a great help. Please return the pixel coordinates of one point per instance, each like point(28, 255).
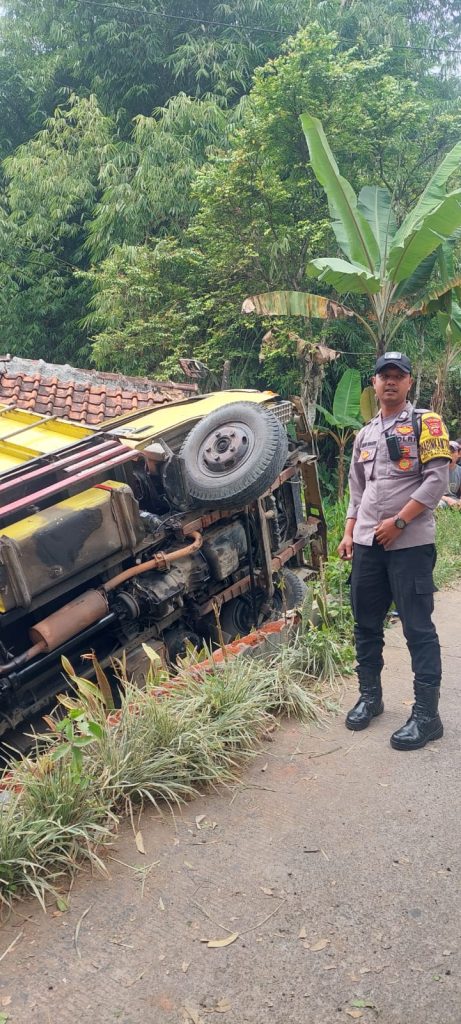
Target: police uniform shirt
point(380, 487)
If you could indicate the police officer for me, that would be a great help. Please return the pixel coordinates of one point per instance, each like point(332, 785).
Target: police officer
point(399, 472)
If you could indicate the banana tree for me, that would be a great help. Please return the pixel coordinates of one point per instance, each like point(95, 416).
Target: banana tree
point(343, 422)
point(445, 303)
point(389, 266)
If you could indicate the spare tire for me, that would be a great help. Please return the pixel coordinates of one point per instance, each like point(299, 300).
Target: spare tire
point(233, 455)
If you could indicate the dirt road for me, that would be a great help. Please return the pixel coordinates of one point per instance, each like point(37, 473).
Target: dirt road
point(338, 863)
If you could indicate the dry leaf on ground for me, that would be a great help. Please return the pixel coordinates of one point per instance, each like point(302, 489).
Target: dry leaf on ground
point(222, 1006)
point(161, 905)
point(185, 966)
point(199, 819)
point(302, 934)
point(354, 1013)
point(217, 943)
point(193, 1014)
point(266, 890)
point(318, 946)
point(139, 843)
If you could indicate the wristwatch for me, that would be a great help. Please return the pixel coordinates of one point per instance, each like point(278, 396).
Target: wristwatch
point(400, 523)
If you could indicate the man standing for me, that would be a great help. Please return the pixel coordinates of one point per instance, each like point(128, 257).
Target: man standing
point(452, 498)
point(399, 472)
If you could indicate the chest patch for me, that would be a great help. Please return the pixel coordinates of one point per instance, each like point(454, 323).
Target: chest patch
point(404, 429)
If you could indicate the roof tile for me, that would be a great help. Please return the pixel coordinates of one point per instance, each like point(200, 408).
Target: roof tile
point(82, 395)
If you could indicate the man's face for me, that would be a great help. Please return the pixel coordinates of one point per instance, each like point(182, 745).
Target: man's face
point(392, 386)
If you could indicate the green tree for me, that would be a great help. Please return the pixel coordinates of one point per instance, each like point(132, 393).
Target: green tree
point(51, 186)
point(261, 215)
point(384, 262)
point(132, 56)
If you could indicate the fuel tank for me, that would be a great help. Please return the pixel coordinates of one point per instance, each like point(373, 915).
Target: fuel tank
point(57, 543)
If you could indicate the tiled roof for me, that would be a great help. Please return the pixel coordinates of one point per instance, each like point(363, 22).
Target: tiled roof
point(85, 396)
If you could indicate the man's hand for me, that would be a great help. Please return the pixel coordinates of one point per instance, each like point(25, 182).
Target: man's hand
point(345, 548)
point(386, 531)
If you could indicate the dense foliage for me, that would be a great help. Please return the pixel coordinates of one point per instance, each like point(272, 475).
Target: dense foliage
point(155, 172)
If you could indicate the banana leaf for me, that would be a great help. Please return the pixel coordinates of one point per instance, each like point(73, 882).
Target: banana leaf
point(353, 233)
point(449, 328)
point(346, 401)
point(410, 246)
point(344, 276)
point(436, 295)
point(374, 204)
point(340, 424)
point(368, 404)
point(418, 279)
point(295, 304)
point(434, 193)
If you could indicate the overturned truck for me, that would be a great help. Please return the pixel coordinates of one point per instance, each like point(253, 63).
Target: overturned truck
point(148, 529)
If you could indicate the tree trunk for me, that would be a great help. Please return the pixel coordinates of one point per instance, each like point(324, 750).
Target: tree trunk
point(311, 382)
point(439, 393)
point(381, 340)
point(342, 447)
point(225, 375)
point(421, 339)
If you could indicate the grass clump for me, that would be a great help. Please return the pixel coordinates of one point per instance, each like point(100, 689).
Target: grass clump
point(60, 807)
point(448, 542)
point(52, 820)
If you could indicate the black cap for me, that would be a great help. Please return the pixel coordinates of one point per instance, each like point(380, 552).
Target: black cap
point(398, 359)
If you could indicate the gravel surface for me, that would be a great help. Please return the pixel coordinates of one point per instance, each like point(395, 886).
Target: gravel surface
point(337, 862)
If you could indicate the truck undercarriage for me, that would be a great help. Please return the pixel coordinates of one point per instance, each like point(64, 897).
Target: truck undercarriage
point(168, 538)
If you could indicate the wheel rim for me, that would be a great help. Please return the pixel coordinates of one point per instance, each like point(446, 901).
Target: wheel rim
point(225, 449)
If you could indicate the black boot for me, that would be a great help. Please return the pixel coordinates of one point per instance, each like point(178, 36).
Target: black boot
point(370, 703)
point(424, 723)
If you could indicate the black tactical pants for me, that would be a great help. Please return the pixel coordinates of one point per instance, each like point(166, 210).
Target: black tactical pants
point(405, 576)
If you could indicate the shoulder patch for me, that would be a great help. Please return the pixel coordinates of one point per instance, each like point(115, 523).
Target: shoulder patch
point(433, 441)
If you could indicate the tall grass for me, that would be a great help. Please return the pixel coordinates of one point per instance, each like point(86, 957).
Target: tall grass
point(60, 811)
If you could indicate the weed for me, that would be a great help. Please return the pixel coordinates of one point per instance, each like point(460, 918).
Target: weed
point(448, 542)
point(163, 744)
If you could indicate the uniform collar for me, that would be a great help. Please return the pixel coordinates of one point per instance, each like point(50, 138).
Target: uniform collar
point(404, 415)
